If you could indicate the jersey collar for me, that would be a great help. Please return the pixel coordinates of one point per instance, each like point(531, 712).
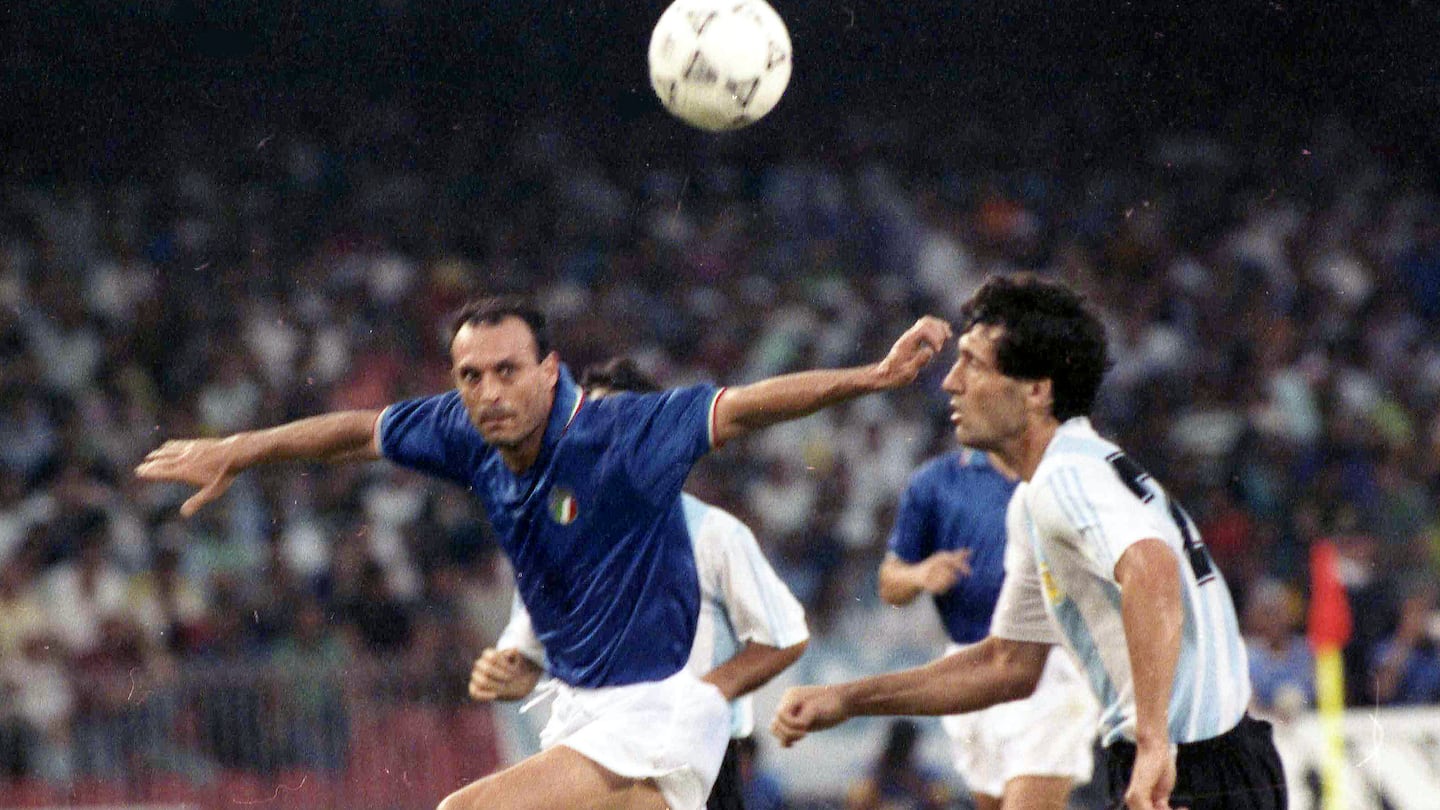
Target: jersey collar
point(1076, 427)
point(568, 399)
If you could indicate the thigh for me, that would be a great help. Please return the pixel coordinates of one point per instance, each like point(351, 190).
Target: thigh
point(975, 752)
point(558, 777)
point(728, 793)
point(984, 801)
point(1037, 793)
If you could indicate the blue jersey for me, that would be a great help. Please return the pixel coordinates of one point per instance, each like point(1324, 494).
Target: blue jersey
point(594, 528)
point(958, 501)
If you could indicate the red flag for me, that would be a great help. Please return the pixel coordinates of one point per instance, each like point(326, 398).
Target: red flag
point(1329, 620)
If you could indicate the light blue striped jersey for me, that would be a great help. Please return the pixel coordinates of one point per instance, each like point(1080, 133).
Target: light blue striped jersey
point(1067, 527)
point(742, 600)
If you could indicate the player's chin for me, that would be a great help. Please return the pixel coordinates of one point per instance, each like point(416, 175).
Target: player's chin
point(500, 437)
point(972, 438)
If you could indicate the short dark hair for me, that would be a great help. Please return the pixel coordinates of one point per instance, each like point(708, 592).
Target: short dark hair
point(618, 374)
point(1050, 334)
point(491, 310)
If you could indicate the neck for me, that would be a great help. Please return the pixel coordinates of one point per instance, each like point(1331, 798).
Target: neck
point(520, 456)
point(1022, 454)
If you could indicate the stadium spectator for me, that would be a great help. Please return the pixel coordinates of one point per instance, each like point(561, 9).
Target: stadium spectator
point(1405, 666)
point(309, 700)
point(1282, 668)
point(130, 269)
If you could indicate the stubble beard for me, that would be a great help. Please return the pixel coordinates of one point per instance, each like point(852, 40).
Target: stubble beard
point(505, 443)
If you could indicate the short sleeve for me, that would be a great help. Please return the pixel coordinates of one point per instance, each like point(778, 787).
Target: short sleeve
point(913, 537)
point(519, 634)
point(1085, 498)
point(664, 435)
point(759, 606)
point(432, 435)
point(1020, 613)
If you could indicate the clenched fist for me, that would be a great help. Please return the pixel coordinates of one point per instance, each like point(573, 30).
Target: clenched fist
point(912, 351)
point(503, 675)
point(804, 709)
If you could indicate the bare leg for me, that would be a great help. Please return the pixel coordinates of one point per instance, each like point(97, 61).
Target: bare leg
point(984, 801)
point(559, 777)
point(1037, 793)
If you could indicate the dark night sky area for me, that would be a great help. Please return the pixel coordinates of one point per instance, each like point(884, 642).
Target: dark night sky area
point(94, 82)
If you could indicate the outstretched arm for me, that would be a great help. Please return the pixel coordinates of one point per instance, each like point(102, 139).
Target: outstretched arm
point(212, 464)
point(792, 396)
point(994, 671)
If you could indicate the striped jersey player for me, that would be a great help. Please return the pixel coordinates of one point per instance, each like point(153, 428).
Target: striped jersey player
point(1099, 559)
point(1086, 505)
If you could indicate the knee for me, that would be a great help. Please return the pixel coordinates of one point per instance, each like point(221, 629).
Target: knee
point(459, 800)
point(479, 795)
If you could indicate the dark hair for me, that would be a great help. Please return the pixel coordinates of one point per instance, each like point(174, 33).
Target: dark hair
point(491, 310)
point(618, 374)
point(1050, 334)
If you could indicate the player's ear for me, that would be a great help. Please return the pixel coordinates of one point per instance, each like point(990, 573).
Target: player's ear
point(1040, 396)
point(550, 367)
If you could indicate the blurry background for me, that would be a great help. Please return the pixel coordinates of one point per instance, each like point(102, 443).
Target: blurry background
point(220, 215)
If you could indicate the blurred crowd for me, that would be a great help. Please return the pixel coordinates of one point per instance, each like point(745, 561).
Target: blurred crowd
point(1273, 308)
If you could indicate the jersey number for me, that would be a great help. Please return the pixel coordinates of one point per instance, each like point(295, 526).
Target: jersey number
point(1134, 476)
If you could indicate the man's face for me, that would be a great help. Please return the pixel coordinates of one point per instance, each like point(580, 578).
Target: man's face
point(507, 392)
point(987, 408)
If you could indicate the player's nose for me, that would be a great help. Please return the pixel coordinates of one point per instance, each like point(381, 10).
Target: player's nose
point(953, 382)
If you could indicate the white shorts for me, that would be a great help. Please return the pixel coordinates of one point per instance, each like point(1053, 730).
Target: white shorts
point(673, 732)
point(1050, 733)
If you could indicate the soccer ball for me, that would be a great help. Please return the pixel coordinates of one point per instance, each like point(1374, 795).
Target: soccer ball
point(719, 64)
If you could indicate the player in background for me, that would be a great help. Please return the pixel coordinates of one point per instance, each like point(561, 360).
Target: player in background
point(949, 542)
point(585, 500)
point(1098, 558)
point(751, 627)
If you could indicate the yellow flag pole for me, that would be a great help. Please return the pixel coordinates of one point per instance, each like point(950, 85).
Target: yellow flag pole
point(1330, 699)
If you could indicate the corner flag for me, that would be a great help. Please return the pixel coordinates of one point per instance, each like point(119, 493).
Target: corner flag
point(1329, 628)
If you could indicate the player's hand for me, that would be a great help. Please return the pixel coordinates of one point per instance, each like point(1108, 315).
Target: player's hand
point(209, 464)
point(804, 709)
point(912, 351)
point(502, 675)
point(940, 571)
point(1152, 779)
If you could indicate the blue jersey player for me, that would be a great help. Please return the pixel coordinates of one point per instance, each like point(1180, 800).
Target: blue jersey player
point(949, 541)
point(585, 498)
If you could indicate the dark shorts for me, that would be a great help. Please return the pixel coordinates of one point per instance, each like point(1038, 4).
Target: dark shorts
point(727, 793)
point(1239, 770)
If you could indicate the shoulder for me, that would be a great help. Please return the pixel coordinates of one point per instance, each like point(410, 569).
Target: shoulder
point(446, 404)
point(1063, 486)
point(709, 524)
point(936, 471)
point(628, 410)
point(444, 412)
point(1075, 450)
point(1058, 467)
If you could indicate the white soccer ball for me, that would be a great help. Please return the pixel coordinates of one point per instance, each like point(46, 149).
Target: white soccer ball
point(719, 64)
